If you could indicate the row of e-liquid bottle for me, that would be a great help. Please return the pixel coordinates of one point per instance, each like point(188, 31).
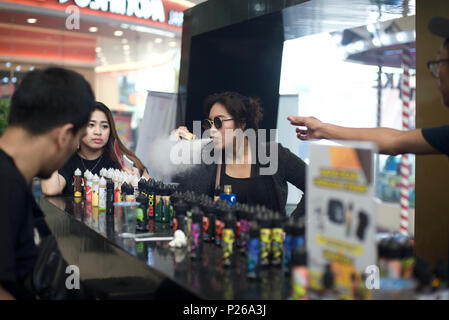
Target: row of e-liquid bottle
point(396, 260)
point(120, 185)
point(155, 204)
point(263, 236)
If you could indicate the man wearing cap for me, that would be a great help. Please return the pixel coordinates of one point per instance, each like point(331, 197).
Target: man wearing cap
point(433, 140)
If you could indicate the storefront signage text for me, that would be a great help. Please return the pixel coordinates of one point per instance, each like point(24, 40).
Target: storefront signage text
point(143, 9)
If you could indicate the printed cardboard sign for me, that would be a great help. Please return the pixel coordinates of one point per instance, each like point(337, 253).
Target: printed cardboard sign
point(341, 221)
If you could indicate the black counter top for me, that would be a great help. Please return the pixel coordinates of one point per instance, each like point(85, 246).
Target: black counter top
point(91, 240)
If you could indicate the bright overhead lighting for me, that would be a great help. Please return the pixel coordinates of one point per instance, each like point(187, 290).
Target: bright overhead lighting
point(172, 44)
point(126, 47)
point(8, 64)
point(31, 68)
point(97, 49)
point(93, 29)
point(18, 68)
point(371, 28)
point(118, 33)
point(32, 20)
point(158, 40)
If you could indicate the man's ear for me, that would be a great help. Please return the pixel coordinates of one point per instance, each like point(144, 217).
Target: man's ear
point(64, 135)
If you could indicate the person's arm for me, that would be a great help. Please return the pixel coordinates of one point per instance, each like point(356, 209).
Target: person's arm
point(293, 170)
point(389, 141)
point(5, 295)
point(53, 185)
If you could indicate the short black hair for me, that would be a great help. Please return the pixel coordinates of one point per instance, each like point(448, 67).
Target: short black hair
point(51, 97)
point(241, 108)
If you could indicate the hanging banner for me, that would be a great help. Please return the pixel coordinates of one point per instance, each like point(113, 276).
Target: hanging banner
point(341, 220)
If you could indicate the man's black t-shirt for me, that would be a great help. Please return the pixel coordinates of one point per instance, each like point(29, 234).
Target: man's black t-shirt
point(17, 248)
point(75, 162)
point(438, 137)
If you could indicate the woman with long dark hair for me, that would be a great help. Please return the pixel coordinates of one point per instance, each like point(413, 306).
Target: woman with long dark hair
point(99, 148)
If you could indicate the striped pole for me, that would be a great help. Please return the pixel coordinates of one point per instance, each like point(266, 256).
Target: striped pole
point(405, 164)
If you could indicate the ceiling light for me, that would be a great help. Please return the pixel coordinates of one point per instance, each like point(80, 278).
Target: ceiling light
point(8, 64)
point(97, 49)
point(5, 80)
point(93, 29)
point(118, 33)
point(31, 68)
point(126, 47)
point(158, 40)
point(172, 44)
point(18, 68)
point(32, 20)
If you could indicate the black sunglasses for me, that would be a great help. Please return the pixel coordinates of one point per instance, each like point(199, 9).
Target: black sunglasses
point(217, 122)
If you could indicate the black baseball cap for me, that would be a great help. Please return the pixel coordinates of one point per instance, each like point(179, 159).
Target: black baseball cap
point(439, 26)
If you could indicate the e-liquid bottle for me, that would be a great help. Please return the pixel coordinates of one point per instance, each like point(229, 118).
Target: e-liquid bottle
point(219, 226)
point(288, 245)
point(244, 230)
point(217, 193)
point(151, 199)
point(102, 194)
point(253, 254)
point(88, 185)
point(394, 259)
point(129, 193)
point(407, 260)
point(78, 184)
point(110, 197)
point(195, 233)
point(300, 274)
point(142, 216)
point(158, 204)
point(117, 186)
point(382, 249)
point(141, 185)
point(228, 196)
point(298, 234)
point(439, 276)
point(95, 190)
point(85, 175)
point(180, 218)
point(209, 222)
point(165, 198)
point(276, 240)
point(265, 240)
point(228, 239)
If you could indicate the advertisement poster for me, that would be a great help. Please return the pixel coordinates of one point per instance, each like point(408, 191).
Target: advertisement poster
point(341, 224)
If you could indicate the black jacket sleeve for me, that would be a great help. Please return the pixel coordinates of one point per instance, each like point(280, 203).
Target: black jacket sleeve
point(294, 170)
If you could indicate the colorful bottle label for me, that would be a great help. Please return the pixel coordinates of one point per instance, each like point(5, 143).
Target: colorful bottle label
point(287, 255)
point(276, 246)
point(195, 238)
point(206, 226)
point(265, 246)
point(253, 258)
point(238, 233)
point(158, 205)
point(165, 209)
point(95, 195)
point(102, 198)
point(151, 206)
point(231, 198)
point(228, 245)
point(300, 283)
point(89, 191)
point(219, 226)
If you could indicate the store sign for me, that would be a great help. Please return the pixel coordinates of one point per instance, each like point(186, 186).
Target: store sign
point(341, 223)
point(142, 9)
